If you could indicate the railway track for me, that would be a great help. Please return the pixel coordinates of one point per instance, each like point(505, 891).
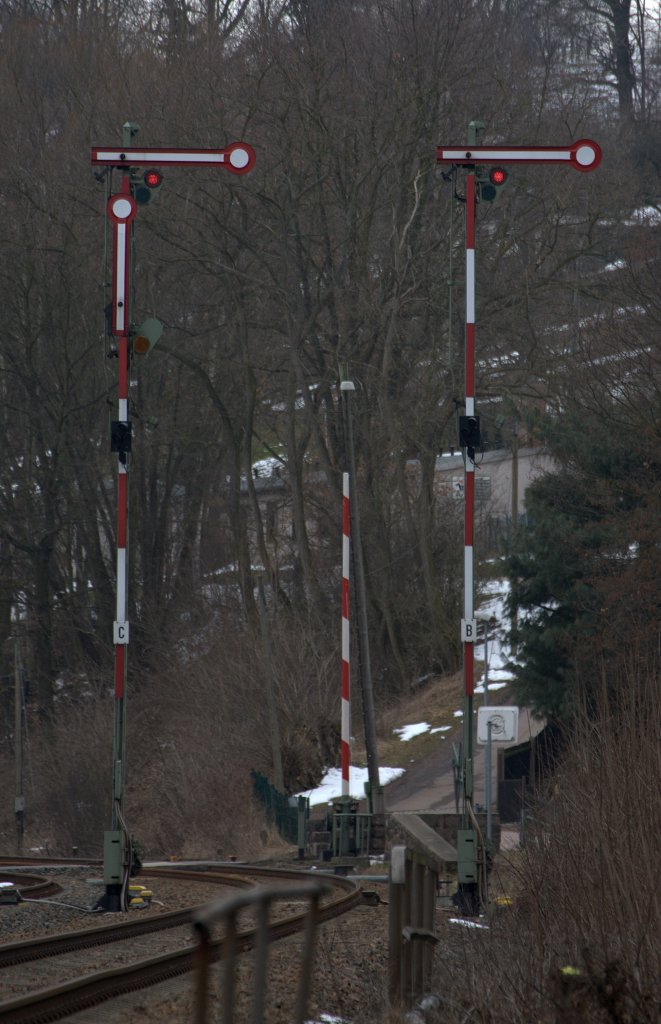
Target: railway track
point(31, 887)
point(87, 987)
point(36, 887)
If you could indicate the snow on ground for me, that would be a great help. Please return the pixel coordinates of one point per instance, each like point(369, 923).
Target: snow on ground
point(492, 608)
point(647, 215)
point(407, 732)
point(498, 653)
point(330, 787)
point(328, 1018)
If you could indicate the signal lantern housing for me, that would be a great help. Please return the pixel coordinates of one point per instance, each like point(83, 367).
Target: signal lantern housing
point(490, 182)
point(145, 336)
point(145, 186)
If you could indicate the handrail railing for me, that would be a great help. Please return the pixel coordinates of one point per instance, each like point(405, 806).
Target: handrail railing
point(226, 912)
point(411, 939)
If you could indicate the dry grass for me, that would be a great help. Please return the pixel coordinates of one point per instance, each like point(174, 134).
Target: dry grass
point(583, 939)
point(434, 702)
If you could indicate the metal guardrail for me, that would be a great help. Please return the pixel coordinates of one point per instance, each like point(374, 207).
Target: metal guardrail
point(226, 913)
point(411, 939)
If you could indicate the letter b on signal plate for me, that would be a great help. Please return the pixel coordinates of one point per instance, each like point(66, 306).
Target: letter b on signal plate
point(468, 631)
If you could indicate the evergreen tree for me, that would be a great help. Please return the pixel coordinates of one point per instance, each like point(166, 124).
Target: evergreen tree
point(585, 565)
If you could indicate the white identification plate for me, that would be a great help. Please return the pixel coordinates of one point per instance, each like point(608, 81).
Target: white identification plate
point(468, 631)
point(120, 632)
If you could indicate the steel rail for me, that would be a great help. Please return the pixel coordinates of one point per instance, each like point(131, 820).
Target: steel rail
point(27, 950)
point(54, 1003)
point(7, 861)
point(31, 887)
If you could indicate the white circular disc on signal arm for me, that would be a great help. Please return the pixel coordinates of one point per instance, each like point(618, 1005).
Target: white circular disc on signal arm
point(239, 158)
point(585, 155)
point(122, 208)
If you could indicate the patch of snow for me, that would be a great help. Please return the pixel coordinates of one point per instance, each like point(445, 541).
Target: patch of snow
point(492, 686)
point(441, 728)
point(644, 215)
point(498, 675)
point(328, 1018)
point(495, 587)
point(330, 787)
point(498, 650)
point(407, 732)
point(267, 467)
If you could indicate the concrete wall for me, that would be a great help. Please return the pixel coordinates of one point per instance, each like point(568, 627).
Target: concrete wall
point(493, 477)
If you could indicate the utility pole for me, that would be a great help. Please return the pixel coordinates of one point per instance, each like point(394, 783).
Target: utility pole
point(19, 798)
point(122, 208)
point(515, 477)
point(485, 620)
point(583, 155)
point(347, 388)
point(269, 675)
point(515, 514)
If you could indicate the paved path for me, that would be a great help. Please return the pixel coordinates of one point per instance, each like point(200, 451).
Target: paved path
point(428, 784)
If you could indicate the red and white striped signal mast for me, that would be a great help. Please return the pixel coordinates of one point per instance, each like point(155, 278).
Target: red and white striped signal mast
point(345, 701)
point(122, 207)
point(583, 155)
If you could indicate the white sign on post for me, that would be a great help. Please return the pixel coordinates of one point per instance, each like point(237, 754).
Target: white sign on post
point(504, 724)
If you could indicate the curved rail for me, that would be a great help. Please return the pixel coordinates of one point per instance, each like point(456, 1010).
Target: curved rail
point(27, 950)
point(6, 861)
point(83, 993)
point(31, 887)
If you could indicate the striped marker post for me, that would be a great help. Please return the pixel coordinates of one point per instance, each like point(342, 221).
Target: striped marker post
point(121, 211)
point(468, 625)
point(346, 644)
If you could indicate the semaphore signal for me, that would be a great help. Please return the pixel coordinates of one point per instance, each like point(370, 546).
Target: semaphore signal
point(584, 155)
point(137, 189)
point(238, 158)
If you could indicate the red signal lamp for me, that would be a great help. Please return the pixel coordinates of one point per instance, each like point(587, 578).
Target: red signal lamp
point(153, 179)
point(145, 186)
point(489, 182)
